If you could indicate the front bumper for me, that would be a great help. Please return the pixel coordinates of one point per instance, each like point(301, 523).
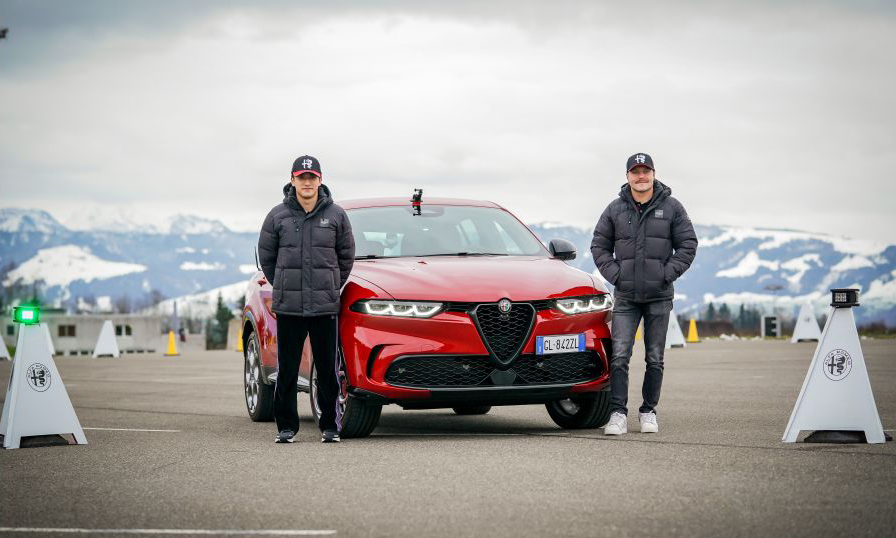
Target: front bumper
point(372, 344)
point(441, 398)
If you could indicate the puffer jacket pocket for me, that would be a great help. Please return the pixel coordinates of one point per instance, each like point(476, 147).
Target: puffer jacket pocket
point(323, 233)
point(277, 293)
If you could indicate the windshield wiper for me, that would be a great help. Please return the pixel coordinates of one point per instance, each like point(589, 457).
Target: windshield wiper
point(372, 257)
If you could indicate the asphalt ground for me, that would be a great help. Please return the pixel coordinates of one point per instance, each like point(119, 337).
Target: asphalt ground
point(717, 467)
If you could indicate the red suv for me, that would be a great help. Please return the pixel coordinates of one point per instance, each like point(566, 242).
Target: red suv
point(450, 304)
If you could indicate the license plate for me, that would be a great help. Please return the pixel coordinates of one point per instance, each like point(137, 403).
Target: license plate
point(559, 343)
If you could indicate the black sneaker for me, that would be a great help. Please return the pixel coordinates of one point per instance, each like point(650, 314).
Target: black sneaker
point(329, 436)
point(286, 436)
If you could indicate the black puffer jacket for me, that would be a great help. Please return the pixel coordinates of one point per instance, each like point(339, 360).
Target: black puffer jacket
point(642, 255)
point(306, 257)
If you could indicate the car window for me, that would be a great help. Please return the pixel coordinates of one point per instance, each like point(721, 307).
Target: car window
point(469, 234)
point(440, 230)
point(511, 245)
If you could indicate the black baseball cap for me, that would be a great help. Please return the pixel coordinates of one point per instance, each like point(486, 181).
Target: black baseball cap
point(639, 159)
point(306, 163)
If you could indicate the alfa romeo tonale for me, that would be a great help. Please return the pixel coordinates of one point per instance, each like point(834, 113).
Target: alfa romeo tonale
point(450, 304)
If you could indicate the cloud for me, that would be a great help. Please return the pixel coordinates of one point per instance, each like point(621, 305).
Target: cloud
point(766, 114)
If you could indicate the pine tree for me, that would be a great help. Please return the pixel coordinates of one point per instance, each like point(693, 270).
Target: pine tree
point(711, 312)
point(216, 328)
point(724, 312)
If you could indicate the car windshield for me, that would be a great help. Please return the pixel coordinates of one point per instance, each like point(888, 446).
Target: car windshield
point(441, 230)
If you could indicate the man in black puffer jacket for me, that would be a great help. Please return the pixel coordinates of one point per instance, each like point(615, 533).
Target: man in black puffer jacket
point(306, 251)
point(643, 241)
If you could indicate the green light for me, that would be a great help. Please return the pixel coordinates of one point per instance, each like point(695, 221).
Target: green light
point(29, 315)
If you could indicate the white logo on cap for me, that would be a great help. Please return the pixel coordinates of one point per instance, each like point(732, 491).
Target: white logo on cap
point(306, 163)
point(640, 159)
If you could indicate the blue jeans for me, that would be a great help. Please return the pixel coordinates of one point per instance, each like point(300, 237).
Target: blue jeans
point(626, 317)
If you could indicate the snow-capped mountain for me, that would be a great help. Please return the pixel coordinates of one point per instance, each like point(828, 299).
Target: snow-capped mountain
point(24, 221)
point(770, 268)
point(184, 255)
point(62, 265)
point(203, 304)
point(187, 256)
point(122, 219)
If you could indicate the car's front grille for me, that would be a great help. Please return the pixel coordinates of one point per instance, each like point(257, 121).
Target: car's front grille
point(447, 371)
point(558, 368)
point(475, 370)
point(504, 334)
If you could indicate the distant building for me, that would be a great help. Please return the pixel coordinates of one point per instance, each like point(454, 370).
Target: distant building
point(76, 334)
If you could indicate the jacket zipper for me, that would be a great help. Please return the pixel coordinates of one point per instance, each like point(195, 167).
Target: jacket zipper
point(639, 270)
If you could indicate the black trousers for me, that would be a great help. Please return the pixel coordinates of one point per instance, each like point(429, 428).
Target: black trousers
point(291, 334)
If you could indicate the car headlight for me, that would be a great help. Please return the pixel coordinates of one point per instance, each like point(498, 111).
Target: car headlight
point(578, 305)
point(402, 309)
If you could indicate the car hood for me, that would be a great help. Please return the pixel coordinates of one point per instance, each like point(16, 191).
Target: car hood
point(475, 279)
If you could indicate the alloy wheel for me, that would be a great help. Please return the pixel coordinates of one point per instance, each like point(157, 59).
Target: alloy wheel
point(252, 372)
point(342, 382)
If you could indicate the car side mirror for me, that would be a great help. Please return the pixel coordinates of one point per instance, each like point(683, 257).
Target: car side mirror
point(562, 249)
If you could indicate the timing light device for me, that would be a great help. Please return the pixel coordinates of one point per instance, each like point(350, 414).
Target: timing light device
point(27, 315)
point(844, 297)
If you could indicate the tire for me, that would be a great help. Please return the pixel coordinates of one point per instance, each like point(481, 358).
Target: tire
point(581, 412)
point(472, 409)
point(259, 396)
point(359, 417)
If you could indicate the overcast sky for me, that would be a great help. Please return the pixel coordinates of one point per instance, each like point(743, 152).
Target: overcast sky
point(772, 114)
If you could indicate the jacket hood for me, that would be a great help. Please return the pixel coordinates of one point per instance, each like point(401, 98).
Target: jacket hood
point(324, 198)
point(449, 278)
point(660, 192)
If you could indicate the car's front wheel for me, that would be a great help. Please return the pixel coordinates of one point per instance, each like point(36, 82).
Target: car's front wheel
point(592, 411)
point(359, 417)
point(259, 396)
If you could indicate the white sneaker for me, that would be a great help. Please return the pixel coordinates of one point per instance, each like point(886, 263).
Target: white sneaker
point(617, 424)
point(648, 422)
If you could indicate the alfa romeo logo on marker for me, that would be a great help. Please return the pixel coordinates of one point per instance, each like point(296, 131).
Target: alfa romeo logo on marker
point(504, 306)
point(38, 377)
point(837, 364)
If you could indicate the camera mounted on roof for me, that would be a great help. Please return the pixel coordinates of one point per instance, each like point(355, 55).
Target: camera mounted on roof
point(417, 201)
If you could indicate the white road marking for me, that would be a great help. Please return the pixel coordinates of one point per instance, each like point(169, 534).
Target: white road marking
point(213, 532)
point(130, 430)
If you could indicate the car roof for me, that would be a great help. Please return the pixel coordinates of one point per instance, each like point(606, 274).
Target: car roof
point(395, 201)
